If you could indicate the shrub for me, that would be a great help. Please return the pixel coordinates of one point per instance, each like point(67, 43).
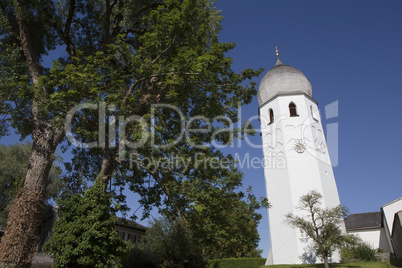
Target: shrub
point(140, 258)
point(236, 263)
point(169, 243)
point(359, 252)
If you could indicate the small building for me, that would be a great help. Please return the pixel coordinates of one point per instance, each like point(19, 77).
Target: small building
point(381, 229)
point(370, 228)
point(130, 230)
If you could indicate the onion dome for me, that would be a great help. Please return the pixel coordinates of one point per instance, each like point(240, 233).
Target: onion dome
point(282, 79)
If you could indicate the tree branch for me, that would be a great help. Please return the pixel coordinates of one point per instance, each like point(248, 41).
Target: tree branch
point(67, 27)
point(153, 6)
point(107, 21)
point(165, 190)
point(70, 16)
point(164, 51)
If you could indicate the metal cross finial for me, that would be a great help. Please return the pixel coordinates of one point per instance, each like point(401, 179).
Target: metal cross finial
point(277, 52)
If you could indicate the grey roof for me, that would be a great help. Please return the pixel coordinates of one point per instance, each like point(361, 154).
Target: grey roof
point(282, 79)
point(130, 224)
point(362, 221)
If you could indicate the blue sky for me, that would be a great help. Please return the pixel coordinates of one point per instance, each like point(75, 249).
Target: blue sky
point(351, 53)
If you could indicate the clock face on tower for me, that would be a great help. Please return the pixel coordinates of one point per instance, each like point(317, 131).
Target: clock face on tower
point(299, 146)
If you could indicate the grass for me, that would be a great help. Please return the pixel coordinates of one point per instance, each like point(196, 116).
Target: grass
point(336, 265)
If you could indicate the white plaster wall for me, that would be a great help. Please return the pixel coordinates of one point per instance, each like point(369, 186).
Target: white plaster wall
point(303, 172)
point(372, 237)
point(130, 231)
point(283, 238)
point(376, 238)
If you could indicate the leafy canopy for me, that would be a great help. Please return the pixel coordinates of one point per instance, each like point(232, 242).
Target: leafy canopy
point(128, 55)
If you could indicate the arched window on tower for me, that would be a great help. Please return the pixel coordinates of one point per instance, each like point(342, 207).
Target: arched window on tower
point(293, 109)
point(271, 116)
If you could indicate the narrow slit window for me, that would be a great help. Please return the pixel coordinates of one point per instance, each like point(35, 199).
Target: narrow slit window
point(271, 116)
point(293, 109)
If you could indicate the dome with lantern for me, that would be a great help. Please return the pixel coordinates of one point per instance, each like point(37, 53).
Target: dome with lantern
point(282, 80)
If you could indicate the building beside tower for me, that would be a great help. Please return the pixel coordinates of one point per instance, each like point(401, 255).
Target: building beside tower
point(381, 229)
point(292, 133)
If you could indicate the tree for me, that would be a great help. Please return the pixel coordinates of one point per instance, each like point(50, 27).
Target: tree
point(225, 222)
point(219, 221)
point(13, 167)
point(218, 224)
point(321, 225)
point(123, 55)
point(84, 234)
point(172, 241)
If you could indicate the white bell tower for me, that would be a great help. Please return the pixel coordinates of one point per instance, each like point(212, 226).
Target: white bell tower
point(293, 138)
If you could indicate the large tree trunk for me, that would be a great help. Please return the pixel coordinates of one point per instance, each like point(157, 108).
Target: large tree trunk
point(108, 166)
point(19, 241)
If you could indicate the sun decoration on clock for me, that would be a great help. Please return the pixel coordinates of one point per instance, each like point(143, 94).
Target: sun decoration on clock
point(299, 146)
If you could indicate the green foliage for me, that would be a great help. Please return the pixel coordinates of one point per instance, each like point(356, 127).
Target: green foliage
point(172, 242)
point(360, 252)
point(380, 250)
point(322, 226)
point(236, 263)
point(129, 54)
point(219, 223)
point(224, 222)
point(84, 235)
point(138, 257)
point(168, 53)
point(13, 168)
